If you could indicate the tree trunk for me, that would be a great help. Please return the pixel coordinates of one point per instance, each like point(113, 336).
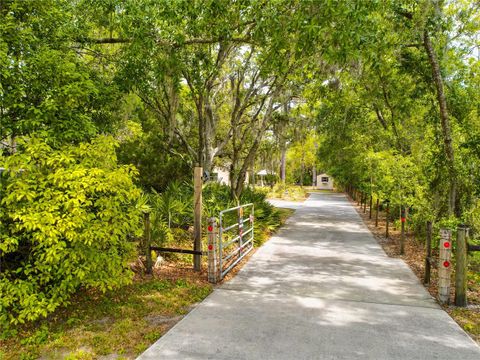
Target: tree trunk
point(250, 158)
point(283, 163)
point(302, 170)
point(445, 122)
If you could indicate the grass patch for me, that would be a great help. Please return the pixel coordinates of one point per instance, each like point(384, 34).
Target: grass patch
point(263, 231)
point(469, 320)
point(122, 322)
point(288, 192)
point(284, 213)
point(321, 191)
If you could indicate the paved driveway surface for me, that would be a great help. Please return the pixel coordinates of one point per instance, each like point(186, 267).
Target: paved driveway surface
point(321, 289)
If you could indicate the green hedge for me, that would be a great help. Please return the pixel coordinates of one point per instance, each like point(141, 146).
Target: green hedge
point(65, 216)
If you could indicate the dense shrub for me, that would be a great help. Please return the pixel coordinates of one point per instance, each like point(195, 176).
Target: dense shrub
point(172, 210)
point(217, 197)
point(65, 217)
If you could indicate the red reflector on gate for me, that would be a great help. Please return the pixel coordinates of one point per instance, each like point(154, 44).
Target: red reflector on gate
point(446, 244)
point(404, 219)
point(210, 247)
point(446, 263)
point(210, 228)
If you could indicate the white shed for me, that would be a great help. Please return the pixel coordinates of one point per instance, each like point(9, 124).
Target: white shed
point(324, 182)
point(222, 175)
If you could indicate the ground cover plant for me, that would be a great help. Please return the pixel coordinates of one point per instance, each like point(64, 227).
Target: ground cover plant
point(288, 192)
point(122, 322)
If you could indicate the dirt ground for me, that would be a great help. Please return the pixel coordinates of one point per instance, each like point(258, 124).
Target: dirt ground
point(468, 318)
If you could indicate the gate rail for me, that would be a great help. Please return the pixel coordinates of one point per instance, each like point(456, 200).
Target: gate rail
point(235, 240)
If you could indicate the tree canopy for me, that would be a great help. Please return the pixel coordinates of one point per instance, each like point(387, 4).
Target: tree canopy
point(382, 95)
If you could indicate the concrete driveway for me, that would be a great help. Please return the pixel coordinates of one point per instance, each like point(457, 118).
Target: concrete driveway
point(321, 289)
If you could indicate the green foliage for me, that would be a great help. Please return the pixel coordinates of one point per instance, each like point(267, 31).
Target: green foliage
point(380, 127)
point(172, 211)
point(45, 86)
point(121, 321)
point(65, 217)
point(217, 82)
point(287, 192)
point(301, 157)
point(144, 143)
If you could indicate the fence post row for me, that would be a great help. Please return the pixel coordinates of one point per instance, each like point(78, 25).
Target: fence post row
point(445, 253)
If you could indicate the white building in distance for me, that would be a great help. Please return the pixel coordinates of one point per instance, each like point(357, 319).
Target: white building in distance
point(324, 182)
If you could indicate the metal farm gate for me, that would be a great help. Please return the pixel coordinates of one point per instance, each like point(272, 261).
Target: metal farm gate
point(234, 240)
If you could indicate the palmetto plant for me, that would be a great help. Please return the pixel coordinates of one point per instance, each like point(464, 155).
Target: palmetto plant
point(170, 209)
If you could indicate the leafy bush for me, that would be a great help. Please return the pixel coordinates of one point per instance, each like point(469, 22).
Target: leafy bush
point(65, 217)
point(216, 197)
point(172, 211)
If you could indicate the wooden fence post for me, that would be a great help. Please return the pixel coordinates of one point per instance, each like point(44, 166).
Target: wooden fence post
point(428, 256)
point(402, 236)
point(461, 265)
point(376, 213)
point(387, 210)
point(371, 203)
point(197, 218)
point(444, 265)
point(147, 239)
